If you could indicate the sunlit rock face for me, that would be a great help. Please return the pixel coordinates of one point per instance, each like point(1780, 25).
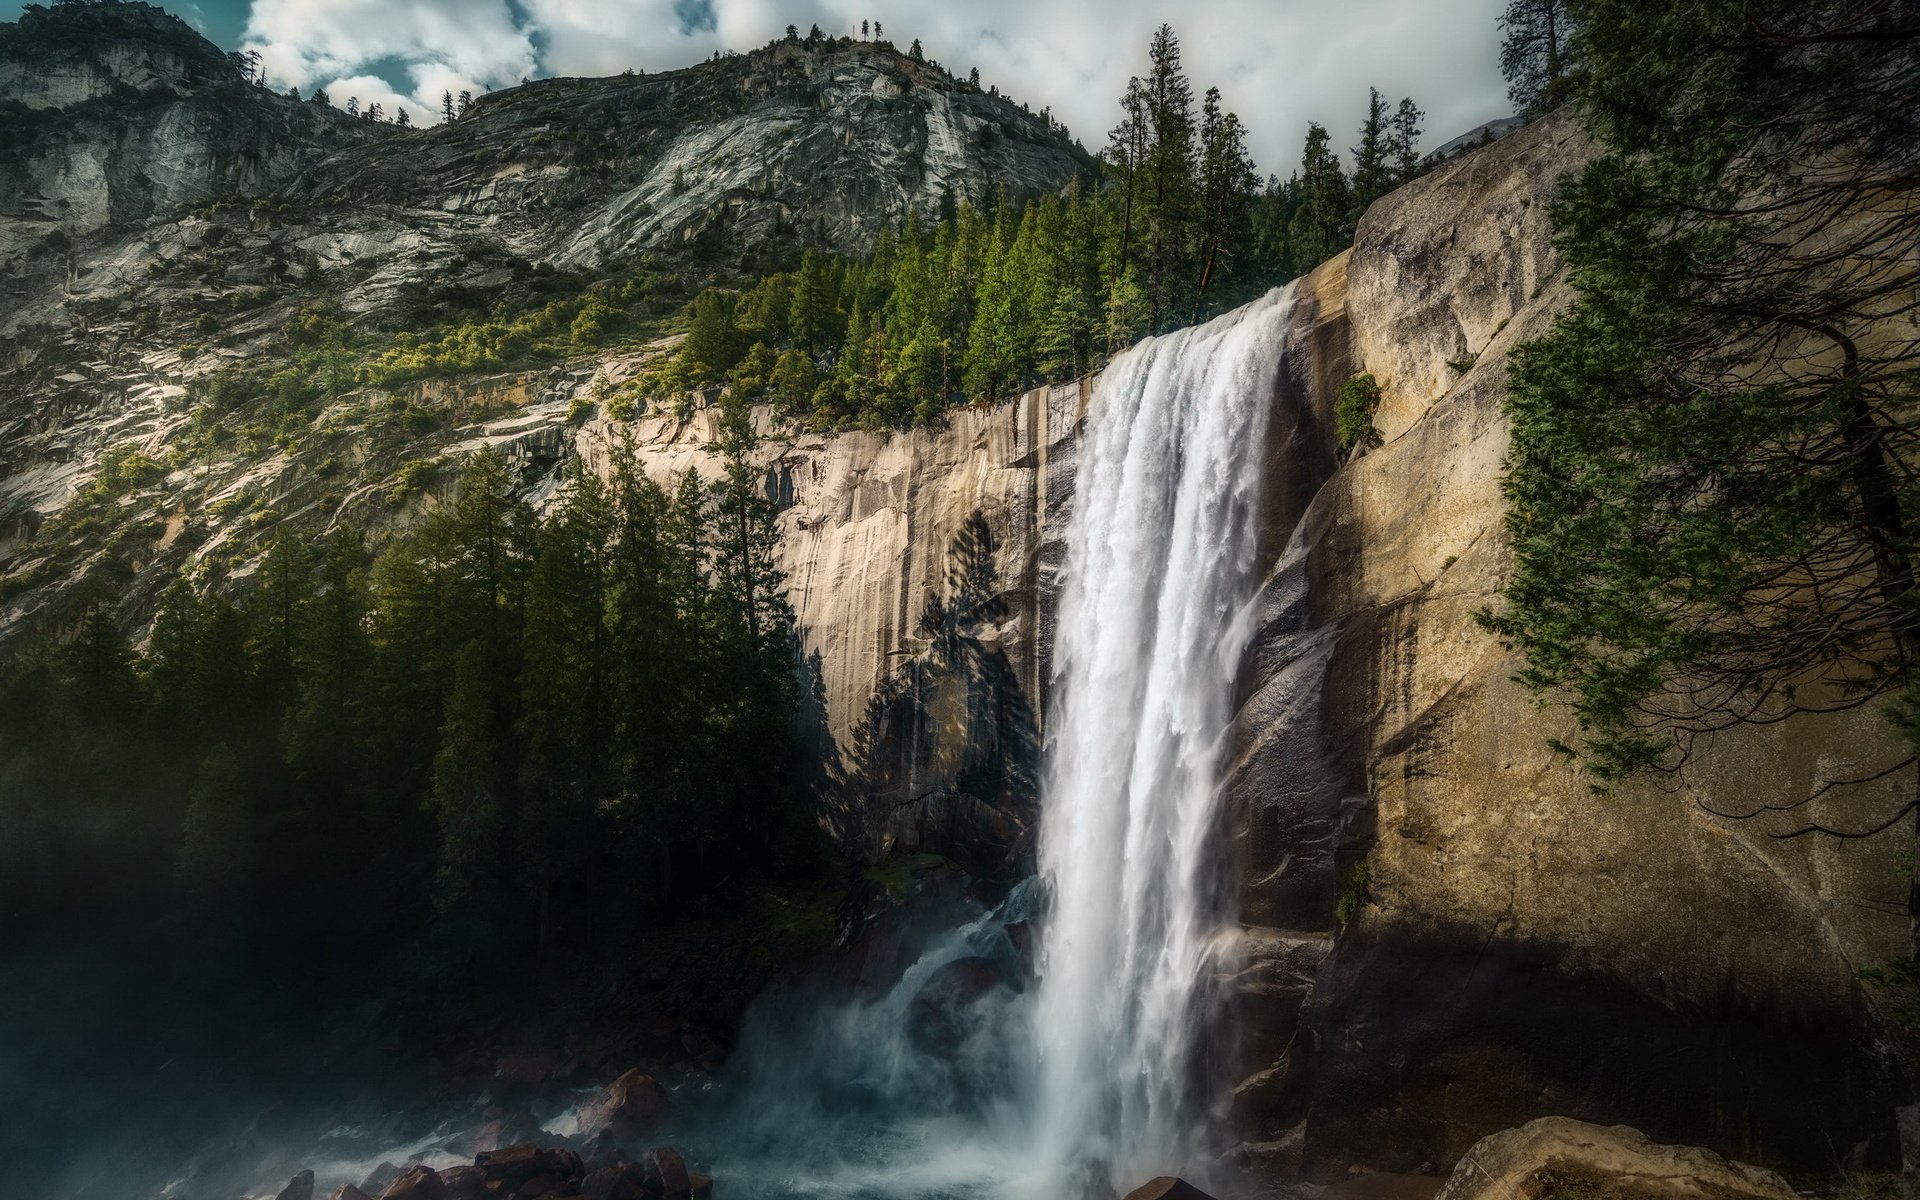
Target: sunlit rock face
point(923, 569)
point(824, 146)
point(1517, 946)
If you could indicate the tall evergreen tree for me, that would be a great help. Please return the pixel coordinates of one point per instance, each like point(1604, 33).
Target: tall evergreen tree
point(1372, 158)
point(1227, 182)
point(1404, 142)
point(1321, 225)
point(1709, 495)
point(1534, 52)
point(1169, 171)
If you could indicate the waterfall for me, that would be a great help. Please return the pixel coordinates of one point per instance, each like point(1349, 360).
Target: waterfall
point(1153, 617)
point(980, 1074)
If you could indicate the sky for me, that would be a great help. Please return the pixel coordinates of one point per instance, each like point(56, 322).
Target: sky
point(1278, 63)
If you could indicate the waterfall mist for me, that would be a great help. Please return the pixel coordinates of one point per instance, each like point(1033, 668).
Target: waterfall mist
point(977, 1074)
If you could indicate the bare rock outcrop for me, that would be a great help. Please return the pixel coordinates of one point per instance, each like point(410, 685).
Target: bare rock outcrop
point(1556, 1156)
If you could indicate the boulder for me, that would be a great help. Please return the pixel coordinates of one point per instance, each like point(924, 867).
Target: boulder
point(623, 1181)
point(300, 1187)
point(940, 1016)
point(1166, 1187)
point(380, 1179)
point(463, 1183)
point(630, 1107)
point(347, 1191)
point(667, 1174)
point(418, 1182)
point(1558, 1156)
point(702, 1185)
point(527, 1169)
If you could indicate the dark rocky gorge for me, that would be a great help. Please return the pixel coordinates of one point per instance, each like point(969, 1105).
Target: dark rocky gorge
point(1437, 935)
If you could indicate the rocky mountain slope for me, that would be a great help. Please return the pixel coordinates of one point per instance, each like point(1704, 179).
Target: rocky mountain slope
point(164, 223)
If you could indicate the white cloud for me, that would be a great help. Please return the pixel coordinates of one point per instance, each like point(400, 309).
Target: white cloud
point(444, 44)
point(1278, 63)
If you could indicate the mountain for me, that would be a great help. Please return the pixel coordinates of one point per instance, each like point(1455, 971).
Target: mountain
point(171, 232)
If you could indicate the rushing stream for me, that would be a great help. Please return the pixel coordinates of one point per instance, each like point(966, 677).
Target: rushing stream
point(1077, 1076)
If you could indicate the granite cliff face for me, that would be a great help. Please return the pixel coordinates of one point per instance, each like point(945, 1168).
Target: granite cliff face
point(116, 114)
point(1505, 944)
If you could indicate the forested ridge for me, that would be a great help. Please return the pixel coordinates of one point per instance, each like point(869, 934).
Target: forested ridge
point(493, 720)
point(970, 306)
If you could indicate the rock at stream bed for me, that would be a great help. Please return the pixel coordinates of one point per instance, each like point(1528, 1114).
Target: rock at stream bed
point(630, 1107)
point(1166, 1187)
point(300, 1187)
point(1556, 1156)
point(667, 1174)
point(623, 1181)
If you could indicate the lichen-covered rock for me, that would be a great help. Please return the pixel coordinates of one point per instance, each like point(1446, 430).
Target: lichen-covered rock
point(1555, 1156)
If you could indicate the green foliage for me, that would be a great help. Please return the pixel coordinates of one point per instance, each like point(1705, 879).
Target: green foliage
point(493, 723)
point(1707, 494)
point(1537, 52)
point(1358, 400)
point(1353, 894)
point(979, 304)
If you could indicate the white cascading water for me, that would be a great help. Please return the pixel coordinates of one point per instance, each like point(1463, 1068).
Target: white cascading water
point(1072, 1076)
point(1154, 615)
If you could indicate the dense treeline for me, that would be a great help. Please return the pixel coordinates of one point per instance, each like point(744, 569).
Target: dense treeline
point(974, 306)
point(500, 727)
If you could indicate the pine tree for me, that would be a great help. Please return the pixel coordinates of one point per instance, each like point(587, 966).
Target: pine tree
point(1372, 170)
point(817, 319)
point(1321, 226)
point(715, 341)
point(1227, 183)
point(446, 106)
point(993, 338)
point(1169, 170)
point(754, 657)
point(466, 102)
point(1533, 52)
point(1404, 143)
point(402, 119)
point(1125, 160)
point(331, 653)
point(565, 726)
point(914, 52)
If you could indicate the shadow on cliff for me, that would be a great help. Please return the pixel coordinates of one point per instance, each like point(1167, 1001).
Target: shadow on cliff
point(946, 757)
